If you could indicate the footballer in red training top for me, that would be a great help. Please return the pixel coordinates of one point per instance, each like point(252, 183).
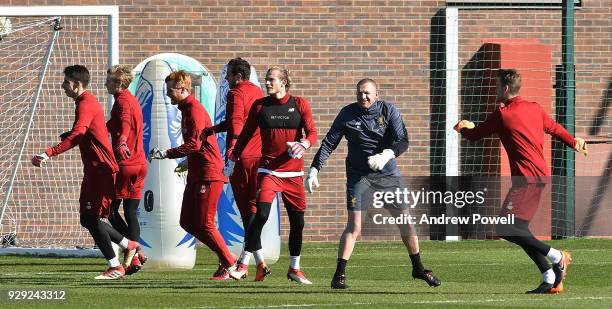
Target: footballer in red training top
point(520, 125)
point(99, 169)
point(282, 120)
point(205, 177)
point(126, 129)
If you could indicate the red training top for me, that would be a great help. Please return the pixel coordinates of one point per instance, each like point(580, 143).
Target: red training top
point(520, 125)
point(204, 160)
point(126, 122)
point(239, 102)
point(90, 133)
point(279, 121)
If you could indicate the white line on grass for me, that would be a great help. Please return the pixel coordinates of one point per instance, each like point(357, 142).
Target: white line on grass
point(400, 265)
point(513, 300)
point(303, 305)
point(394, 246)
point(374, 266)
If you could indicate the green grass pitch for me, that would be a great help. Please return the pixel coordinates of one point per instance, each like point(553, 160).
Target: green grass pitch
point(474, 274)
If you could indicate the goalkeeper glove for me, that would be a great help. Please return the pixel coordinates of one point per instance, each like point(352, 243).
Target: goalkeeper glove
point(581, 146)
point(157, 154)
point(122, 152)
point(181, 169)
point(378, 161)
point(296, 149)
point(463, 124)
point(312, 181)
point(39, 159)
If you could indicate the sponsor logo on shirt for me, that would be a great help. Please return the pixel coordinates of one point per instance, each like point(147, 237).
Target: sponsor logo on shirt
point(281, 117)
point(291, 110)
point(203, 189)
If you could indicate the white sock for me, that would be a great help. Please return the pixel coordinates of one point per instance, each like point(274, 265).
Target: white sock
point(549, 276)
point(246, 257)
point(294, 262)
point(259, 257)
point(116, 248)
point(124, 243)
point(114, 262)
point(554, 255)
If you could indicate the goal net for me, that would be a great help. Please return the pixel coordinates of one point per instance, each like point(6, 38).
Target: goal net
point(469, 45)
point(40, 205)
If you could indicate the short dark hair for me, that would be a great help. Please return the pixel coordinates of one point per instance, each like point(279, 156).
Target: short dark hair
point(366, 81)
point(239, 65)
point(512, 78)
point(77, 73)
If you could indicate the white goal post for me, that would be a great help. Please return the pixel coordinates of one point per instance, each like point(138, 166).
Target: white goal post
point(39, 210)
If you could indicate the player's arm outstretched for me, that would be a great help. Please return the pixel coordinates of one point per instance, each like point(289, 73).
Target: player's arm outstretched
point(557, 131)
point(328, 145)
point(472, 132)
point(83, 119)
point(233, 122)
point(191, 137)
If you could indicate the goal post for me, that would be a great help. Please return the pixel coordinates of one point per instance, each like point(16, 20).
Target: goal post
point(111, 12)
point(536, 37)
point(40, 206)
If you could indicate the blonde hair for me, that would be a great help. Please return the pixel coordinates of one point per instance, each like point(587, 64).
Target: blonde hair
point(181, 79)
point(121, 74)
point(284, 74)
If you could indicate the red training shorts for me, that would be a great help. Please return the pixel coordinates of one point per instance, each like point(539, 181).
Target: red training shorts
point(292, 190)
point(130, 181)
point(97, 193)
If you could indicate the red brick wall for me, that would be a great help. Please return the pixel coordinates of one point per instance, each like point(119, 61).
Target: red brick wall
point(329, 45)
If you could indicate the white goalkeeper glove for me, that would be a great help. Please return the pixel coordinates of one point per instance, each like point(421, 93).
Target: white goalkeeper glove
point(157, 154)
point(181, 169)
point(312, 181)
point(378, 161)
point(39, 159)
point(296, 149)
